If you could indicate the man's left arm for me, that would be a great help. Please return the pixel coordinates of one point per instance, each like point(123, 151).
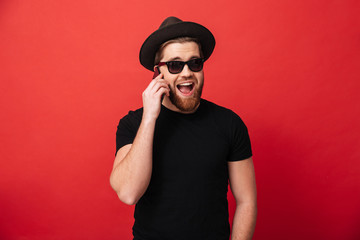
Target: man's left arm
point(243, 187)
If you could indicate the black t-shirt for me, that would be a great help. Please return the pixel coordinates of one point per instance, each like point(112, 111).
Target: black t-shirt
point(187, 194)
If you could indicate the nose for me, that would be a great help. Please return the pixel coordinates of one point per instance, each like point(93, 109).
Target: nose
point(186, 72)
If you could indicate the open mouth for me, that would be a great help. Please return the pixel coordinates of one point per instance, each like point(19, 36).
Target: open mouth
point(186, 88)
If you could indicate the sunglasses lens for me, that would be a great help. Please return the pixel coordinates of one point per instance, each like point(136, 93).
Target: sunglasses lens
point(175, 66)
point(196, 65)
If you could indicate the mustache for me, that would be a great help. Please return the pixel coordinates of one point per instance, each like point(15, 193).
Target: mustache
point(185, 79)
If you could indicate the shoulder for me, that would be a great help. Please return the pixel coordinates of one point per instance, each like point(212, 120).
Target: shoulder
point(127, 128)
point(226, 120)
point(136, 114)
point(132, 118)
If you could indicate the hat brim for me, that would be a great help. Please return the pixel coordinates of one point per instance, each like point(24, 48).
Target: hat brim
point(181, 29)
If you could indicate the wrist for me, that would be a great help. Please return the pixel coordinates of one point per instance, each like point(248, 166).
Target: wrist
point(149, 119)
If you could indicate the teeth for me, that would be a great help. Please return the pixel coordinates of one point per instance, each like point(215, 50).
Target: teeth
point(185, 84)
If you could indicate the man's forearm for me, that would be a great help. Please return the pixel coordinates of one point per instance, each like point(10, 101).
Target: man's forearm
point(244, 221)
point(131, 175)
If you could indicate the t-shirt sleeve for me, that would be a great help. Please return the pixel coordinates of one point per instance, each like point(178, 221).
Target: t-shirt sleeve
point(127, 129)
point(240, 147)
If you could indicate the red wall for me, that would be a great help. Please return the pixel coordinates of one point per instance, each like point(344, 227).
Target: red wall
point(69, 71)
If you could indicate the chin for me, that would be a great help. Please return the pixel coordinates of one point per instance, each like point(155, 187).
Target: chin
point(186, 104)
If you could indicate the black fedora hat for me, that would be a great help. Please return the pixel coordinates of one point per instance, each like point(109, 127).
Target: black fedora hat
point(171, 28)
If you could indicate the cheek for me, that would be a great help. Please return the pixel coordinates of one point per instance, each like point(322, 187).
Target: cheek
point(200, 77)
point(170, 79)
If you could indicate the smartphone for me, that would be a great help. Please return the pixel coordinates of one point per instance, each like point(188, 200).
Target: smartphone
point(156, 72)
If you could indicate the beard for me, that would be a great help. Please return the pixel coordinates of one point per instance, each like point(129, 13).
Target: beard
point(186, 104)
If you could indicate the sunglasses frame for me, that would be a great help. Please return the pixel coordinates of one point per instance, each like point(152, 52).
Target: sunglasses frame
point(183, 65)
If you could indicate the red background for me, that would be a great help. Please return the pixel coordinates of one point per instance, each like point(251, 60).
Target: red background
point(69, 71)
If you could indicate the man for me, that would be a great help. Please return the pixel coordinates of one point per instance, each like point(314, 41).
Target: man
point(176, 155)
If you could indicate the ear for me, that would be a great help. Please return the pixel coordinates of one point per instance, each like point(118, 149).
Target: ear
point(156, 72)
point(156, 67)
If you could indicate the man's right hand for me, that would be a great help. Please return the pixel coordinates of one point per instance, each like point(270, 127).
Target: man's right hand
point(152, 97)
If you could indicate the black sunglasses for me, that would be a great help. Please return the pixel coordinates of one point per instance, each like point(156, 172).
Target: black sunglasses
point(175, 67)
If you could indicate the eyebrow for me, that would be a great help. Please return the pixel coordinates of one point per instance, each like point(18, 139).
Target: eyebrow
point(179, 59)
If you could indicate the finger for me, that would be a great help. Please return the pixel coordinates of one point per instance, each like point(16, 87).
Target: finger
point(158, 85)
point(155, 80)
point(161, 92)
point(160, 76)
point(160, 80)
point(165, 90)
point(151, 88)
point(151, 84)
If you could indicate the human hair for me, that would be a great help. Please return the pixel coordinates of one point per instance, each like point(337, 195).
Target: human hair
point(159, 53)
